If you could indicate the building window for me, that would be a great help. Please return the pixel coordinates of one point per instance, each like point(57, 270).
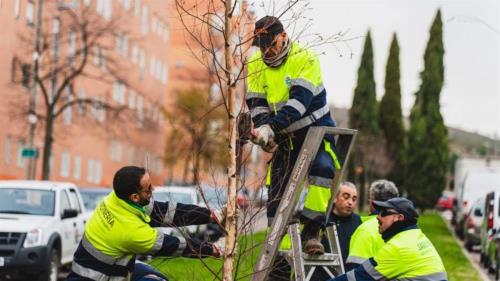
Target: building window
point(137, 8)
point(115, 152)
point(142, 64)
point(98, 172)
point(77, 166)
point(71, 46)
point(30, 11)
point(126, 4)
point(98, 110)
point(140, 113)
point(65, 163)
point(108, 9)
point(100, 7)
point(103, 60)
point(152, 65)
point(81, 105)
point(154, 24)
point(131, 99)
point(7, 149)
point(158, 70)
point(135, 53)
point(119, 91)
point(121, 44)
point(130, 155)
point(94, 171)
point(56, 28)
point(67, 113)
point(75, 4)
point(20, 159)
point(90, 170)
point(145, 19)
point(17, 8)
point(87, 2)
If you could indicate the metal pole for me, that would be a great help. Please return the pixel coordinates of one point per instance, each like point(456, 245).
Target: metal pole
point(31, 168)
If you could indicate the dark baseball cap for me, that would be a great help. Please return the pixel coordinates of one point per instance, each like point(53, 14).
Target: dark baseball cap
point(400, 204)
point(265, 30)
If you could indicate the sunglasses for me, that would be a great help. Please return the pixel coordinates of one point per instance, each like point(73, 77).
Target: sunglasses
point(148, 190)
point(385, 213)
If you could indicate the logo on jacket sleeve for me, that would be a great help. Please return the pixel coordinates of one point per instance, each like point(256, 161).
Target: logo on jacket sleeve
point(288, 81)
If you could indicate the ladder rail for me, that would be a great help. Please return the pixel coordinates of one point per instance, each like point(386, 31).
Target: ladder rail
point(310, 147)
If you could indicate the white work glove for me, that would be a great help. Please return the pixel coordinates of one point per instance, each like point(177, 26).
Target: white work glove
point(219, 216)
point(264, 137)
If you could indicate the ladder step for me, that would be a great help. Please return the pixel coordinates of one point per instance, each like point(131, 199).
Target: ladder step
point(324, 257)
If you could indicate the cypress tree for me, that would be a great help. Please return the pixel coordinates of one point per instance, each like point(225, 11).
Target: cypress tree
point(391, 119)
point(428, 140)
point(364, 109)
point(363, 116)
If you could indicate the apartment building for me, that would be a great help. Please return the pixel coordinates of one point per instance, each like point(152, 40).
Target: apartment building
point(126, 70)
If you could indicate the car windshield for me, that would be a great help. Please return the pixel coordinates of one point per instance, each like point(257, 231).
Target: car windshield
point(92, 198)
point(27, 201)
point(215, 197)
point(178, 197)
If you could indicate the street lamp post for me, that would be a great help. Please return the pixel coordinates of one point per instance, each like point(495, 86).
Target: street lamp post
point(31, 168)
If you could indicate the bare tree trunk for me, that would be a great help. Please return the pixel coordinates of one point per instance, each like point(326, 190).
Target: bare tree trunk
point(185, 172)
point(47, 147)
point(196, 160)
point(231, 220)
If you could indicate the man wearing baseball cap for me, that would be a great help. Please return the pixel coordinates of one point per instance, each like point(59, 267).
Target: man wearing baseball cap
point(286, 97)
point(407, 253)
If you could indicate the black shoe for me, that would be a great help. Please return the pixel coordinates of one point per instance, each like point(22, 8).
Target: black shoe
point(314, 247)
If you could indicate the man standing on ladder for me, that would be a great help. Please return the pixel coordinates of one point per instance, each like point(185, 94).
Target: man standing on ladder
point(285, 97)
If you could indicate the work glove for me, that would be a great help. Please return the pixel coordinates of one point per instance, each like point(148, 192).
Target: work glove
point(219, 216)
point(200, 249)
point(264, 137)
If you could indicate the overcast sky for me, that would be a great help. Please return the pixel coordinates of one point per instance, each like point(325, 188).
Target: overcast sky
point(470, 98)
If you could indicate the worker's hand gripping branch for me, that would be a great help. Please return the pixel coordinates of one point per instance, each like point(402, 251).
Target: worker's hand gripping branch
point(264, 137)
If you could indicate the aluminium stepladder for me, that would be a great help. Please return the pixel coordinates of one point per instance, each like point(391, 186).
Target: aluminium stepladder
point(344, 138)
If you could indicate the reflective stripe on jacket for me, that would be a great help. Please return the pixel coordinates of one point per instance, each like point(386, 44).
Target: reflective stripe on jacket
point(409, 255)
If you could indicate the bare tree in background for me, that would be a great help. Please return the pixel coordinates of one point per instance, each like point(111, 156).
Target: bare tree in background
point(196, 133)
point(69, 41)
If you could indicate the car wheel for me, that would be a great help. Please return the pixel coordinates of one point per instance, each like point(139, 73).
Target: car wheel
point(52, 268)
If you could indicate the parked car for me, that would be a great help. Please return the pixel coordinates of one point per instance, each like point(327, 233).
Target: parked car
point(445, 202)
point(472, 231)
point(41, 224)
point(464, 167)
point(476, 185)
point(92, 196)
point(490, 231)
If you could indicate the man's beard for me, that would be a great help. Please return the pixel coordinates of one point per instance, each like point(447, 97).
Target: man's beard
point(143, 201)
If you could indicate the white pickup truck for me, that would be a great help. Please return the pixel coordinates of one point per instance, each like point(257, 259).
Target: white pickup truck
point(41, 224)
